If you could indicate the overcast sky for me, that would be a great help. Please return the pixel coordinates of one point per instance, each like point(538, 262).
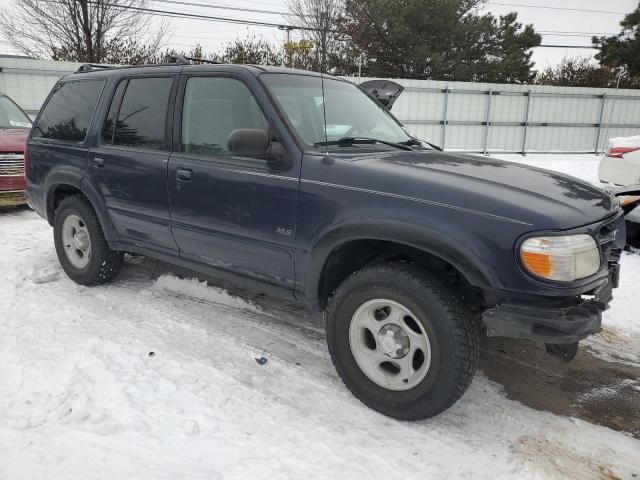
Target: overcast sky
point(558, 25)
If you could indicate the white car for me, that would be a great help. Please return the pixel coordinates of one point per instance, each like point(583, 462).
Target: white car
point(621, 167)
point(621, 164)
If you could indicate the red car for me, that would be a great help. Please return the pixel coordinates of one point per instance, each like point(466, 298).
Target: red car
point(14, 129)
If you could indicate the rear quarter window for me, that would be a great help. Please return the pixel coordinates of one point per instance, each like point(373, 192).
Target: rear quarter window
point(67, 115)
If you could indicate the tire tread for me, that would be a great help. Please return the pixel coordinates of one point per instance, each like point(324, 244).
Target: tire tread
point(110, 261)
point(465, 328)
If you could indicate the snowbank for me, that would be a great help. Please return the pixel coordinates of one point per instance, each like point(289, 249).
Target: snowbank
point(195, 289)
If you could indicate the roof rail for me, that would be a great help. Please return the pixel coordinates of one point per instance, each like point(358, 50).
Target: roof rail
point(182, 60)
point(90, 67)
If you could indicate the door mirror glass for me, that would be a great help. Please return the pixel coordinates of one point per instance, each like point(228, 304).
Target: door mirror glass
point(248, 142)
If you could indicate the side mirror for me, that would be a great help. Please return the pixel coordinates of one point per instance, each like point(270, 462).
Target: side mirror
point(248, 142)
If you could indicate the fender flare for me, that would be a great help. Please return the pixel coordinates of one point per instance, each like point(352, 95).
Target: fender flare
point(417, 236)
point(76, 179)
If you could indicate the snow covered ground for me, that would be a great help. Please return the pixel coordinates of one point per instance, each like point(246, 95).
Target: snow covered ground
point(156, 377)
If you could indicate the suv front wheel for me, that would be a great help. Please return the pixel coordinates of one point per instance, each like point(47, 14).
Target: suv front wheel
point(82, 249)
point(402, 341)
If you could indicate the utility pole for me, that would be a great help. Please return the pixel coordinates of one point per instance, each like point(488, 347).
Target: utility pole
point(613, 106)
point(287, 45)
point(360, 66)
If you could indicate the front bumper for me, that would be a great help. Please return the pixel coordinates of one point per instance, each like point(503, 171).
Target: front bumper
point(12, 190)
point(565, 318)
point(552, 320)
point(11, 198)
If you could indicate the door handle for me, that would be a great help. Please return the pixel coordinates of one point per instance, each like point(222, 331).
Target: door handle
point(184, 174)
point(98, 162)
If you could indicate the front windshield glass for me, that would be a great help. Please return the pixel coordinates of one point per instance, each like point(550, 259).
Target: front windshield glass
point(11, 116)
point(349, 111)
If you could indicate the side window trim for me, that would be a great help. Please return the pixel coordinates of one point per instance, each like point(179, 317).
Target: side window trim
point(125, 82)
point(92, 118)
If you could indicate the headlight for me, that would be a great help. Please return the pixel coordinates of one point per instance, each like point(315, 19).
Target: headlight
point(563, 258)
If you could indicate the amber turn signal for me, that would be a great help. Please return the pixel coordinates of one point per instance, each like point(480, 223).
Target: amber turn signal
point(562, 258)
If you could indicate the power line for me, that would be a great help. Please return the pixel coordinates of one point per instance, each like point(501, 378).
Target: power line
point(567, 31)
point(252, 2)
point(221, 7)
point(197, 16)
point(524, 5)
point(578, 35)
point(590, 47)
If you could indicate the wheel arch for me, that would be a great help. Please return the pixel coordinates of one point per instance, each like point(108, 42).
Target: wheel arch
point(61, 185)
point(347, 248)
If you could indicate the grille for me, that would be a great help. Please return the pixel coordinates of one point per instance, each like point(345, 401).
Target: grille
point(11, 165)
point(608, 239)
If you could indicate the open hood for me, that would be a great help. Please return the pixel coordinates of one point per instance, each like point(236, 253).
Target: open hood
point(631, 194)
point(385, 91)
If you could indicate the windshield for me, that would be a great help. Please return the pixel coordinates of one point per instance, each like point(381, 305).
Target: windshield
point(11, 116)
point(349, 111)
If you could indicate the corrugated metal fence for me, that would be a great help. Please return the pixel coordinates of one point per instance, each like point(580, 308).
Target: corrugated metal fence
point(484, 117)
point(475, 117)
point(28, 81)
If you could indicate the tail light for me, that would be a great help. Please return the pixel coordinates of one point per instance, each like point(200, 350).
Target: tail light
point(26, 163)
point(618, 152)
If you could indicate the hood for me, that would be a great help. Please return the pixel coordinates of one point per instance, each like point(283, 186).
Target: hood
point(542, 198)
point(13, 140)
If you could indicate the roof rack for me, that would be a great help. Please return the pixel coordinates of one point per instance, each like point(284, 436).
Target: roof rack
point(174, 60)
point(182, 60)
point(90, 67)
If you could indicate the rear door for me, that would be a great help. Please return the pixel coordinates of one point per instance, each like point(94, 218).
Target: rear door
point(129, 164)
point(237, 213)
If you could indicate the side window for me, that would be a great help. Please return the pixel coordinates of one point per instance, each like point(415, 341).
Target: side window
point(213, 108)
point(67, 114)
point(138, 113)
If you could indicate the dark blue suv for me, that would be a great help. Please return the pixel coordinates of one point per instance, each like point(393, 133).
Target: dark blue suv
point(304, 185)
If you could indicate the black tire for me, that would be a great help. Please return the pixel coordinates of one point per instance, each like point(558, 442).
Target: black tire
point(447, 320)
point(633, 235)
point(104, 264)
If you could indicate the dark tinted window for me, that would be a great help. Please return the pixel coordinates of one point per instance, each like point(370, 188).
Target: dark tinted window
point(213, 108)
point(68, 113)
point(109, 125)
point(143, 113)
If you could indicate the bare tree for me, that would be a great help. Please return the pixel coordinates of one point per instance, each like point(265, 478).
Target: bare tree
point(320, 20)
point(81, 30)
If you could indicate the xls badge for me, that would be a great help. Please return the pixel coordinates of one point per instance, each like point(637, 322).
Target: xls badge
point(284, 231)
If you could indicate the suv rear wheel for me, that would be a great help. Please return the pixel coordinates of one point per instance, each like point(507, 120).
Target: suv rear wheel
point(82, 249)
point(402, 341)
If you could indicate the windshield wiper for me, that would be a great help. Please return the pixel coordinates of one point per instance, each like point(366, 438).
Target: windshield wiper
point(362, 141)
point(419, 143)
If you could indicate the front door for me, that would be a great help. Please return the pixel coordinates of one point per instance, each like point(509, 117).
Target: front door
point(234, 212)
point(129, 164)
